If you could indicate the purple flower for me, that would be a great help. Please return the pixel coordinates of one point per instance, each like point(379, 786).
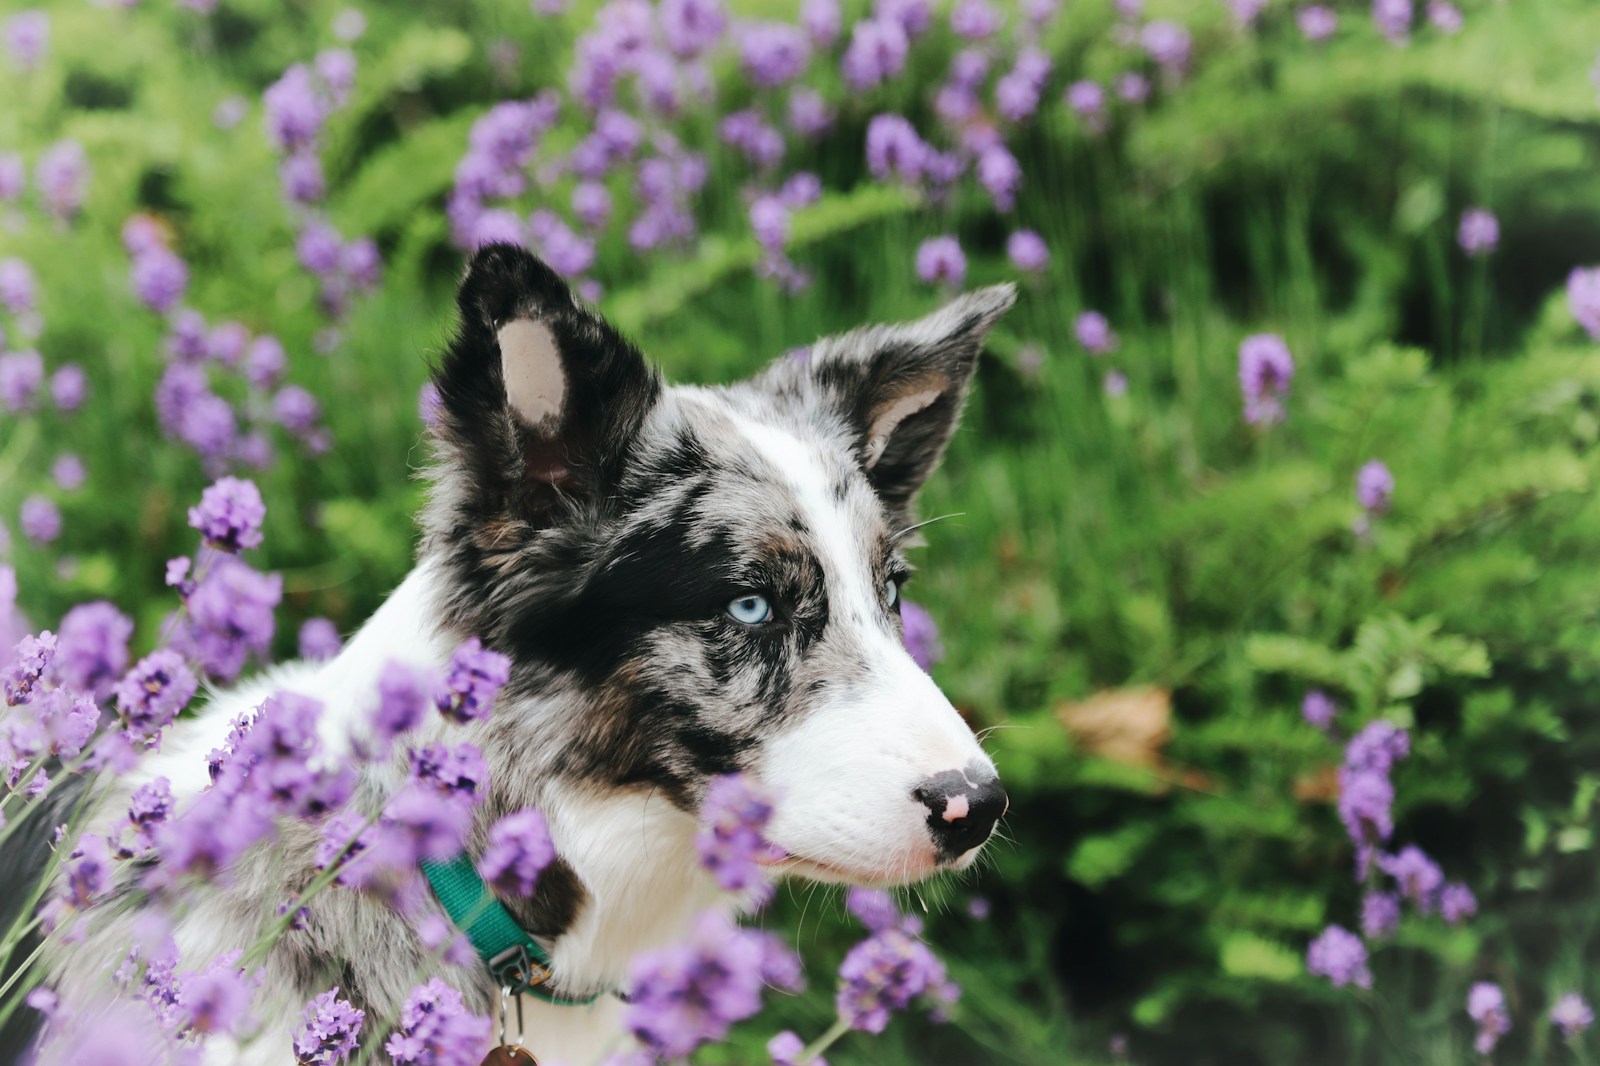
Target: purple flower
point(437, 1030)
point(692, 27)
point(685, 995)
point(1380, 915)
point(1366, 804)
point(1374, 487)
point(1088, 100)
point(13, 177)
point(1378, 746)
point(974, 20)
point(1341, 957)
point(913, 16)
point(474, 676)
point(877, 53)
point(230, 614)
point(786, 1047)
point(1095, 333)
point(17, 286)
point(979, 908)
point(62, 177)
point(39, 520)
point(822, 21)
point(1133, 87)
point(1486, 1005)
point(336, 71)
point(265, 361)
point(519, 849)
point(459, 774)
point(1115, 383)
point(1583, 298)
point(769, 218)
point(405, 695)
point(294, 111)
point(230, 514)
point(1168, 44)
point(1265, 371)
point(21, 376)
point(873, 908)
point(1317, 22)
point(809, 113)
point(801, 190)
point(591, 204)
point(1393, 19)
point(1245, 12)
point(885, 972)
point(68, 473)
point(32, 657)
point(329, 1025)
point(153, 692)
point(894, 149)
point(159, 278)
point(68, 722)
point(1418, 877)
point(150, 805)
point(27, 37)
point(296, 410)
point(1457, 903)
point(920, 634)
point(429, 404)
point(92, 650)
point(300, 175)
point(1319, 709)
point(88, 870)
point(1571, 1015)
point(1000, 174)
point(1479, 231)
point(773, 53)
point(319, 639)
point(733, 817)
point(1445, 16)
point(216, 999)
point(1027, 251)
point(940, 261)
point(760, 143)
point(69, 387)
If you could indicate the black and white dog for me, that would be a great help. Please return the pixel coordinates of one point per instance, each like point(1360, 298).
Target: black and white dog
point(688, 582)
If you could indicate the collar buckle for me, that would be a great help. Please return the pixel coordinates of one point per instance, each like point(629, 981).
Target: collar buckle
point(516, 971)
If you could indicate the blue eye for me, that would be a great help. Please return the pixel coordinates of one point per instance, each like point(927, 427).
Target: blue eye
point(751, 610)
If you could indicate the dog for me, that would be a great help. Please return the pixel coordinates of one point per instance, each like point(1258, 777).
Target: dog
point(688, 582)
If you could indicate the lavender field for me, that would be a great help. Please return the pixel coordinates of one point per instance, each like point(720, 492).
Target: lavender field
point(1268, 560)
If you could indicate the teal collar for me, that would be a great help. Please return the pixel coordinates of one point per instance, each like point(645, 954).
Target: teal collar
point(517, 962)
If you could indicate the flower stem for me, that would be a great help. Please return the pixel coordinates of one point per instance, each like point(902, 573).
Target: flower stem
point(823, 1042)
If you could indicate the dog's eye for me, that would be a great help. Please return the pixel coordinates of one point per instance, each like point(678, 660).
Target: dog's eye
point(751, 610)
point(891, 591)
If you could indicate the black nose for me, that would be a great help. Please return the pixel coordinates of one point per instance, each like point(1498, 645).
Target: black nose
point(962, 809)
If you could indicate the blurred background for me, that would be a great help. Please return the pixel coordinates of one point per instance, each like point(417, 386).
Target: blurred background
point(1293, 429)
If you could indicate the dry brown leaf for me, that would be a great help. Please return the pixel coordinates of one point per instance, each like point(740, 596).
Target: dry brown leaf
point(1126, 725)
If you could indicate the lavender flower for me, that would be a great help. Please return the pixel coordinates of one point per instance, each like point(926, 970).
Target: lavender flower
point(1088, 100)
point(786, 1047)
point(437, 1030)
point(1265, 371)
point(974, 20)
point(1374, 487)
point(294, 109)
point(809, 113)
point(88, 871)
point(692, 27)
point(216, 999)
point(230, 614)
point(329, 1025)
point(1133, 87)
point(458, 774)
point(405, 694)
point(153, 692)
point(1417, 876)
point(39, 519)
point(1486, 1005)
point(519, 849)
point(319, 639)
point(69, 387)
point(27, 38)
point(1115, 383)
point(1027, 251)
point(920, 635)
point(474, 676)
point(688, 994)
point(1446, 17)
point(885, 972)
point(1167, 43)
point(877, 53)
point(150, 805)
point(68, 722)
point(1393, 19)
point(159, 278)
point(1571, 1015)
point(1341, 957)
point(894, 149)
point(1479, 232)
point(92, 649)
point(940, 261)
point(1095, 333)
point(733, 817)
point(13, 177)
point(773, 53)
point(1380, 915)
point(33, 656)
point(1000, 175)
point(1319, 709)
point(68, 472)
point(873, 908)
point(17, 287)
point(1245, 12)
point(62, 177)
point(230, 514)
point(1457, 903)
point(913, 16)
point(1378, 746)
point(822, 21)
point(1317, 22)
point(1583, 298)
point(21, 376)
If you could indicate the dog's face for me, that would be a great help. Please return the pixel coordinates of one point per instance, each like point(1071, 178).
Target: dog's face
point(712, 576)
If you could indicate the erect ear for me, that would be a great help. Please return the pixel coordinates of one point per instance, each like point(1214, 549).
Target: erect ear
point(898, 389)
point(540, 398)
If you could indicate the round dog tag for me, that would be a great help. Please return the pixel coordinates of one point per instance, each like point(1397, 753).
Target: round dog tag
point(510, 1055)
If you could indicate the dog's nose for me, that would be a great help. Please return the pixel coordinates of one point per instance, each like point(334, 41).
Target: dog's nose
point(962, 809)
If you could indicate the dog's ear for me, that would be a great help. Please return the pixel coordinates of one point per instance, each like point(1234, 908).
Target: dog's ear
point(898, 389)
point(540, 398)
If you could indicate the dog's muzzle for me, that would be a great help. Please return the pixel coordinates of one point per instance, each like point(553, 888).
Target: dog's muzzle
point(963, 808)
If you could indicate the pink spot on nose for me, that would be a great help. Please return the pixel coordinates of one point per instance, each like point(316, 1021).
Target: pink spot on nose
point(955, 808)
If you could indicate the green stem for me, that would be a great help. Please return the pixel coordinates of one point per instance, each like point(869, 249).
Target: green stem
point(824, 1042)
point(21, 971)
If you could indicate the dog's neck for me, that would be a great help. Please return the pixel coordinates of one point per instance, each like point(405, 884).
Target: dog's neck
point(626, 878)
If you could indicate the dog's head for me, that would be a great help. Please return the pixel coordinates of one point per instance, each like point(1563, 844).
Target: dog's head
point(711, 576)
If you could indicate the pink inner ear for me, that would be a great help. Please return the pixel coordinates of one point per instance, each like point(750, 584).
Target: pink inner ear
point(530, 364)
point(891, 415)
